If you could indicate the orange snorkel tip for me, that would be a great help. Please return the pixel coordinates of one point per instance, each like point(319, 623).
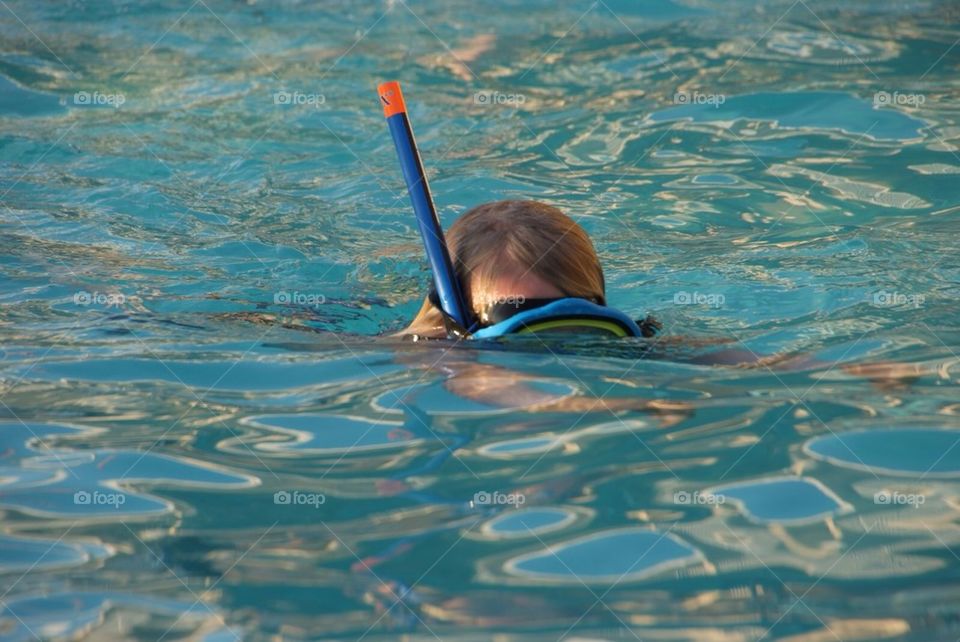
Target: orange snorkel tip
point(391, 98)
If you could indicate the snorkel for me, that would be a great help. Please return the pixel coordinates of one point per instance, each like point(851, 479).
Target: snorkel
point(564, 314)
point(451, 300)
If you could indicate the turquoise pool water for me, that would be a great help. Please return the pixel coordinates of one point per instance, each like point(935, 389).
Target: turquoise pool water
point(203, 228)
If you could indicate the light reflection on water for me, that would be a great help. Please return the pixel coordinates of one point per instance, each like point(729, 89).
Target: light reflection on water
point(188, 451)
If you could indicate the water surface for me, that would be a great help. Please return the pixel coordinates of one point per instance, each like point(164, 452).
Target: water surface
point(203, 228)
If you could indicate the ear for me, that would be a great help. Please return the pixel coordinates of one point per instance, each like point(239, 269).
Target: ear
point(649, 326)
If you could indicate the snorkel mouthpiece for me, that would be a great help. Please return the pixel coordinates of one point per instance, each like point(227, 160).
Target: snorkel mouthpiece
point(450, 295)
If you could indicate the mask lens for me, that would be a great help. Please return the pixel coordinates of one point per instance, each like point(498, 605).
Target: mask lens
point(499, 312)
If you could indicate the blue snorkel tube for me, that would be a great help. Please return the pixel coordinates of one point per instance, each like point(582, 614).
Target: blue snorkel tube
point(449, 292)
point(571, 312)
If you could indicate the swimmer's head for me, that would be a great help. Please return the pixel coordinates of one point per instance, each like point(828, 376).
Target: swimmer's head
point(513, 251)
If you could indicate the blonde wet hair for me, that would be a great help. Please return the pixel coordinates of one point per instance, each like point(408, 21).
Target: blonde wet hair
point(500, 239)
